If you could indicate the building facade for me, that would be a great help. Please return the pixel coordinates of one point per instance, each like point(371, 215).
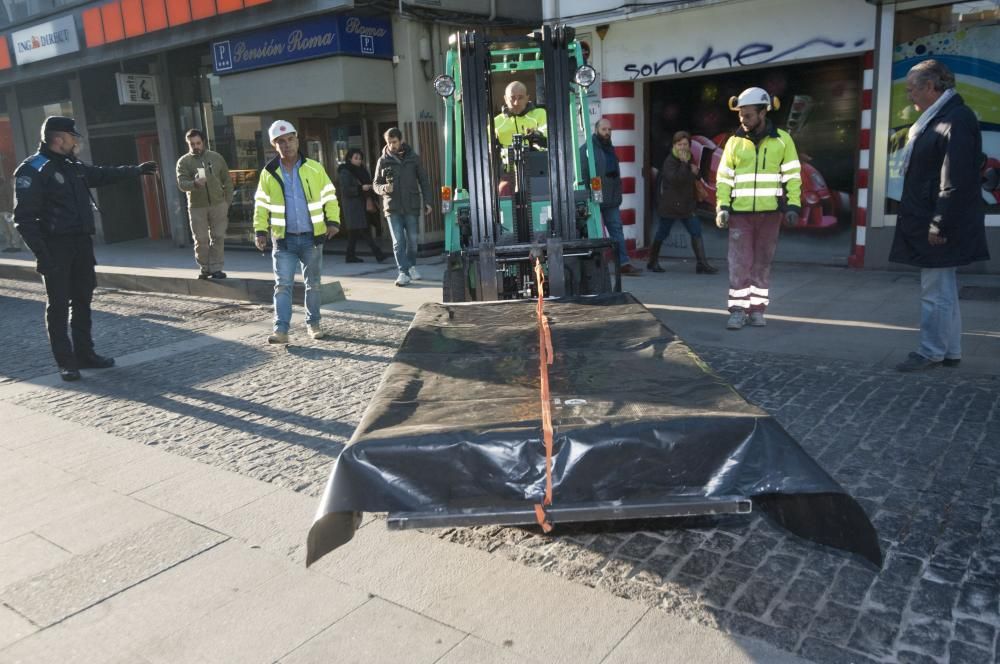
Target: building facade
point(136, 74)
point(837, 70)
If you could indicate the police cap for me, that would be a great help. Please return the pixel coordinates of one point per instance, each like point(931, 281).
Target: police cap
point(59, 123)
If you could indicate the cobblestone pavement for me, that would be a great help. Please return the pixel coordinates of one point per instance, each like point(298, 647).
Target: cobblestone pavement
point(122, 323)
point(919, 452)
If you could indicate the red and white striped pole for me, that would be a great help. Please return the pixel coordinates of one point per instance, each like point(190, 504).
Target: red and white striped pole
point(861, 201)
point(618, 105)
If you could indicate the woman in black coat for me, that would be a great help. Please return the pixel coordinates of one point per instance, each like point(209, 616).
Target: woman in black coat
point(354, 189)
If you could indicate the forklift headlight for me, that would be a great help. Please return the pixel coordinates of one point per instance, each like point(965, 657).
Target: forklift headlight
point(444, 85)
point(585, 76)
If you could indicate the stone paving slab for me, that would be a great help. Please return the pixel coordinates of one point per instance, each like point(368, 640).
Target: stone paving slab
point(473, 649)
point(258, 626)
point(39, 508)
point(133, 471)
point(398, 573)
point(13, 627)
point(515, 604)
point(179, 597)
point(33, 430)
point(71, 447)
point(379, 632)
point(79, 528)
point(203, 494)
point(71, 587)
point(26, 555)
point(275, 522)
point(673, 641)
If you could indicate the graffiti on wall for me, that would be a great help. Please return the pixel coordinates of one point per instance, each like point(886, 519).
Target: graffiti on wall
point(750, 54)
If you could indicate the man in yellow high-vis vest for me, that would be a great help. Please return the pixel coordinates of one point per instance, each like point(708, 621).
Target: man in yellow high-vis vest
point(297, 204)
point(758, 185)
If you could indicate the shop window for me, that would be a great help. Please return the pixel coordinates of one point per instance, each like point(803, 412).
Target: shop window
point(819, 106)
point(963, 36)
point(13, 12)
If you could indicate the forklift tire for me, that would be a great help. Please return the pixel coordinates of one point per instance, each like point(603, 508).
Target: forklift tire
point(453, 286)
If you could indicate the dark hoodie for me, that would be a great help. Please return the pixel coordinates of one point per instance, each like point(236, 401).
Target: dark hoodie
point(410, 186)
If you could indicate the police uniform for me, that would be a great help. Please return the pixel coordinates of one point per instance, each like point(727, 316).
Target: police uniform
point(54, 214)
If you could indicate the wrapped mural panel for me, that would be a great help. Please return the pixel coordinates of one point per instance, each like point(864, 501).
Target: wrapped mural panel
point(641, 427)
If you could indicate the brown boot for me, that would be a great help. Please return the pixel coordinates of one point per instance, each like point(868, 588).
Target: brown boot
point(654, 258)
point(702, 267)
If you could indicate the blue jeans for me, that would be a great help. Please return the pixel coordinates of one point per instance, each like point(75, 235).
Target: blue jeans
point(664, 224)
point(403, 228)
point(940, 318)
point(298, 250)
point(612, 218)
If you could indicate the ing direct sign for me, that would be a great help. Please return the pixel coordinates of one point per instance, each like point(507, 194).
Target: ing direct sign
point(45, 40)
point(333, 34)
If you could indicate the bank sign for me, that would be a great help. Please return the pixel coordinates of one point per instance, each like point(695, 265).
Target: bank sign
point(332, 34)
point(45, 40)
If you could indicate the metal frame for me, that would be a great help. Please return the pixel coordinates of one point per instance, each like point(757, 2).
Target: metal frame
point(673, 507)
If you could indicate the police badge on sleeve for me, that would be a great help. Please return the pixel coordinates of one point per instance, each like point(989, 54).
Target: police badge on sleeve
point(22, 182)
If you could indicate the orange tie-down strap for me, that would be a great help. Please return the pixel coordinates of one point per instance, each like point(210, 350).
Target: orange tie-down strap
point(544, 360)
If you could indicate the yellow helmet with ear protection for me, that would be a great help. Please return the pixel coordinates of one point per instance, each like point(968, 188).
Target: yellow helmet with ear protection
point(754, 97)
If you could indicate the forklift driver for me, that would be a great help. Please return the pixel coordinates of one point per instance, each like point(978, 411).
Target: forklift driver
point(519, 116)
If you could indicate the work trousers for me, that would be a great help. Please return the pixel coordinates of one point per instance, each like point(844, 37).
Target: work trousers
point(69, 287)
point(208, 228)
point(752, 241)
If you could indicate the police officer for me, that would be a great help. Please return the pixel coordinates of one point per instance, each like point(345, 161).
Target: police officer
point(53, 213)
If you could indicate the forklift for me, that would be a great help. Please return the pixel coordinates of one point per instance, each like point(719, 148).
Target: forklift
point(493, 242)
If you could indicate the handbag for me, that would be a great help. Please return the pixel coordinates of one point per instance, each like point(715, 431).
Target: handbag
point(701, 191)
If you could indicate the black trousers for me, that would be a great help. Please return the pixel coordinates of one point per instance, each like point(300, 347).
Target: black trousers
point(354, 234)
point(69, 286)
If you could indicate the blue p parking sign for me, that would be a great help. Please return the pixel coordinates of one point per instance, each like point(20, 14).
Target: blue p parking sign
point(223, 56)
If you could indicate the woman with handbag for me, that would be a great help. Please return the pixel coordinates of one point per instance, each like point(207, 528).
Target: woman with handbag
point(354, 192)
point(677, 195)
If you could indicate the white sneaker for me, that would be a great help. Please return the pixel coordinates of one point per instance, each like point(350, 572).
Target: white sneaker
point(315, 331)
point(414, 275)
point(402, 279)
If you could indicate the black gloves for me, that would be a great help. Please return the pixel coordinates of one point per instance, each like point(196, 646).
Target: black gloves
point(147, 168)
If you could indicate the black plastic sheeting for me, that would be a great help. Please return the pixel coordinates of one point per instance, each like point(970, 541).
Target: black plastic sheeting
point(637, 416)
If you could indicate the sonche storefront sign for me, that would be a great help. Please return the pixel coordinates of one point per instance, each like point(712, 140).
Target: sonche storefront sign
point(304, 40)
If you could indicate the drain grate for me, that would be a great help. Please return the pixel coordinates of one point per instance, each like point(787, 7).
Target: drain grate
point(984, 293)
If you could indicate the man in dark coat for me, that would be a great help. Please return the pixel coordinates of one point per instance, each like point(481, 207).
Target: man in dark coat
point(52, 211)
point(401, 181)
point(941, 221)
point(607, 167)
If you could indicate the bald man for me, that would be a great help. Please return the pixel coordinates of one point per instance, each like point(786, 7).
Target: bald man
point(519, 115)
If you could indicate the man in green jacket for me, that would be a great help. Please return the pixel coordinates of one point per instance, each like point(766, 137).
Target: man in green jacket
point(204, 176)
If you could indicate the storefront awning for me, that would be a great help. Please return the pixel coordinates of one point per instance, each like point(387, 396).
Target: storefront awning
point(325, 81)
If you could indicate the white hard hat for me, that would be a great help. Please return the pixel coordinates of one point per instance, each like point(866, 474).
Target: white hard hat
point(279, 128)
point(753, 97)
